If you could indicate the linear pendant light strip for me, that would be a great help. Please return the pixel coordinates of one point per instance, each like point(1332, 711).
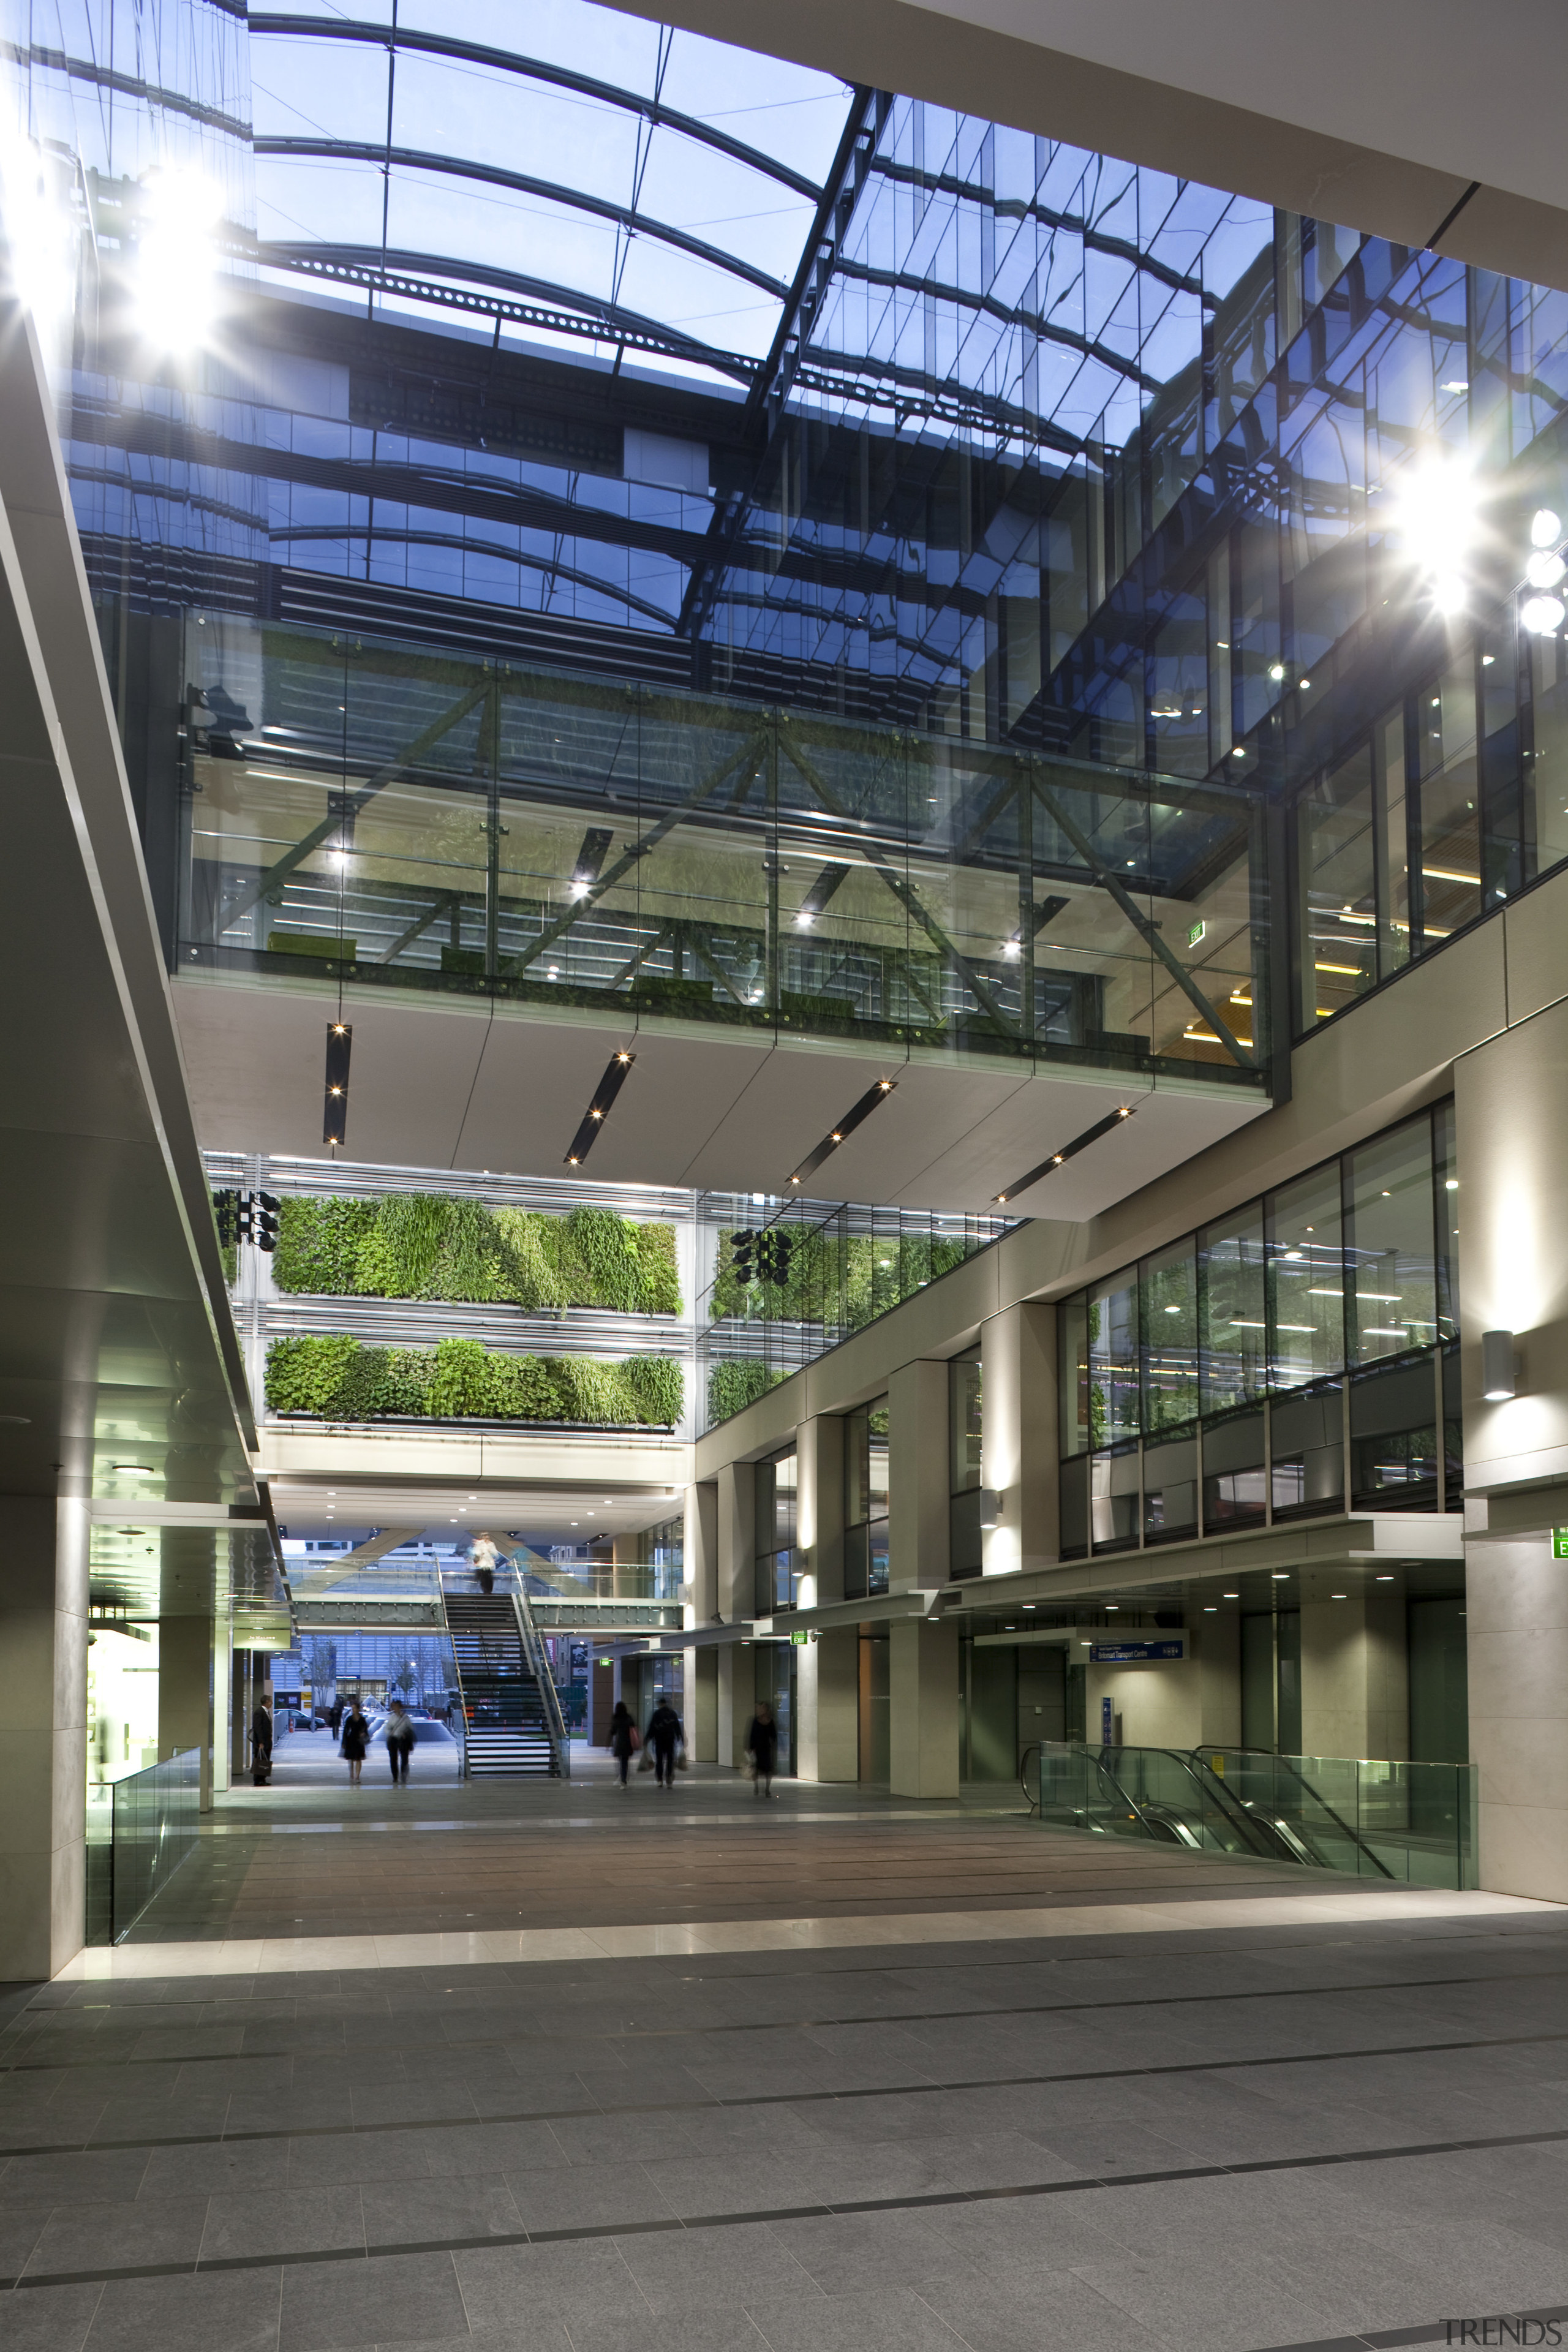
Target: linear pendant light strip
point(852, 1118)
point(1069, 1152)
point(598, 1111)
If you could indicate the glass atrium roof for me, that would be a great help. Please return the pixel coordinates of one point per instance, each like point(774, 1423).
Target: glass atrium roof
point(566, 155)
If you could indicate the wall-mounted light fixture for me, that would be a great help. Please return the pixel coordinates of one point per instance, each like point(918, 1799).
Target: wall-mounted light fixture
point(598, 1111)
point(335, 1114)
point(990, 1507)
point(1497, 1381)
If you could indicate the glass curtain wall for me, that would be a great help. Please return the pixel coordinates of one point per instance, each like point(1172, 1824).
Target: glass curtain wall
point(1298, 1357)
point(965, 1418)
point(866, 1500)
point(776, 1554)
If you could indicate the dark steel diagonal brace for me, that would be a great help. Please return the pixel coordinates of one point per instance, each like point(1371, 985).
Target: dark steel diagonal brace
point(1145, 930)
point(256, 891)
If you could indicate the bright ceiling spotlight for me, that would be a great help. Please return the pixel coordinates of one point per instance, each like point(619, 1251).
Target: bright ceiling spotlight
point(1447, 593)
point(176, 255)
point(1544, 570)
point(1546, 528)
point(1542, 615)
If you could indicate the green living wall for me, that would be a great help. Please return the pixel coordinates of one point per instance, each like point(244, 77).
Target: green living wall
point(733, 1386)
point(434, 1245)
point(848, 1279)
point(338, 1379)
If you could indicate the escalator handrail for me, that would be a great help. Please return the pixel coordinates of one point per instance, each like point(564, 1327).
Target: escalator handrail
point(538, 1664)
point(1318, 1798)
point(1131, 1801)
point(1234, 1812)
point(1031, 1797)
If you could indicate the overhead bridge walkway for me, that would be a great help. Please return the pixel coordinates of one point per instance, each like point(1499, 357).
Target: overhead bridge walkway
point(1413, 1824)
point(512, 1724)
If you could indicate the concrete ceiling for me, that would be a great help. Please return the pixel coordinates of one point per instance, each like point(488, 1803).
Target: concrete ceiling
point(1394, 120)
point(448, 1084)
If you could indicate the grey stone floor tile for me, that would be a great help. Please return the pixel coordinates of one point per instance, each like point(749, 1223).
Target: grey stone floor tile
point(396, 2299)
point(580, 2282)
point(400, 2103)
point(842, 2252)
point(100, 2238)
point(590, 2197)
point(876, 2319)
point(21, 2227)
point(745, 2265)
point(112, 2176)
point(345, 2156)
point(1229, 2300)
point(47, 2319)
point(1024, 2233)
point(259, 2167)
point(290, 2221)
point(698, 2330)
point(234, 2310)
point(428, 2212)
point(1058, 2311)
point(493, 2148)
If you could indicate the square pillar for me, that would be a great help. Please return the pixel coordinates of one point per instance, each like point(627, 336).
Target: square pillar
point(1018, 1436)
point(699, 1543)
point(835, 1667)
point(924, 1709)
point(819, 1507)
point(1217, 1641)
point(729, 1712)
point(1355, 1692)
point(186, 1693)
point(918, 1486)
point(735, 1511)
point(42, 1741)
point(223, 1691)
point(1516, 1624)
point(702, 1705)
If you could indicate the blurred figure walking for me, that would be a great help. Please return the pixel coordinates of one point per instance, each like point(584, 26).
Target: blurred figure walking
point(664, 1734)
point(356, 1741)
point(261, 1746)
point(623, 1739)
point(763, 1747)
point(399, 1737)
point(485, 1560)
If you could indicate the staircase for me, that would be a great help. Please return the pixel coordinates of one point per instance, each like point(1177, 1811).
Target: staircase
point(511, 1716)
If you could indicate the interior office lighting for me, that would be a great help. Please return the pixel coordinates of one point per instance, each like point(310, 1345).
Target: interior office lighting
point(335, 1111)
point(1069, 1152)
point(176, 257)
point(873, 1098)
point(598, 1111)
point(1497, 1381)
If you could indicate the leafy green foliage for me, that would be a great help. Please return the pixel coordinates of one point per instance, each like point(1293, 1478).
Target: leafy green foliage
point(733, 1386)
point(432, 1245)
point(319, 1244)
point(839, 1278)
point(336, 1379)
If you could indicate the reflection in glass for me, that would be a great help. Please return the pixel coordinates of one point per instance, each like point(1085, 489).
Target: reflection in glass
point(1169, 1298)
point(866, 1500)
point(1234, 1350)
point(1389, 1254)
point(778, 1561)
point(1234, 1494)
point(1113, 1360)
point(1074, 1387)
point(1306, 1276)
point(1113, 1498)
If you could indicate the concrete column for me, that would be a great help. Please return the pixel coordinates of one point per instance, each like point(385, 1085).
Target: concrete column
point(727, 1714)
point(819, 1506)
point(1160, 1705)
point(917, 1486)
point(736, 1514)
point(923, 1708)
point(43, 1740)
point(1355, 1686)
point(1517, 1627)
point(186, 1693)
point(223, 1692)
point(838, 1656)
point(699, 1543)
point(1217, 1641)
point(702, 1704)
point(1018, 1436)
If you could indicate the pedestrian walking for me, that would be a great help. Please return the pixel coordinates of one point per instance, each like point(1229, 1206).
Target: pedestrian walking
point(261, 1746)
point(763, 1747)
point(399, 1739)
point(356, 1741)
point(485, 1560)
point(623, 1739)
point(664, 1735)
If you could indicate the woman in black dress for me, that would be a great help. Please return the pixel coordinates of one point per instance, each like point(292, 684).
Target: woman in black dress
point(356, 1741)
point(623, 1739)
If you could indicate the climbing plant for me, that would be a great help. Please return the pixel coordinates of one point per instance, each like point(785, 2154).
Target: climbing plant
point(733, 1386)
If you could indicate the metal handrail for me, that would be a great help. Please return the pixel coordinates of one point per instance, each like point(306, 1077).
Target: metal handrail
point(538, 1664)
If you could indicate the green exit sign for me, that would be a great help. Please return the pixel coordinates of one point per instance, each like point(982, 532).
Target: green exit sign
point(1196, 933)
point(1560, 1543)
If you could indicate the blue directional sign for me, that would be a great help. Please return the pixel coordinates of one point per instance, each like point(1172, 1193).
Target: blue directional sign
point(1135, 1654)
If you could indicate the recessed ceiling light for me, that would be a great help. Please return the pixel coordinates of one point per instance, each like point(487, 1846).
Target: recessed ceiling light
point(1230, 1596)
point(1212, 1610)
point(1385, 1580)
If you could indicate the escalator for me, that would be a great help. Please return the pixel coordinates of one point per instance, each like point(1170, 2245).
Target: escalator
point(1213, 1800)
point(513, 1725)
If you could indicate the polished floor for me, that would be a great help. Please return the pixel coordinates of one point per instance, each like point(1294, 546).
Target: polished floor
point(1119, 2103)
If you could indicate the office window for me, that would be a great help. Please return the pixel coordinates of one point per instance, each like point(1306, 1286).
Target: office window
point(1305, 1227)
point(1113, 1365)
point(1389, 1245)
point(1073, 1376)
point(965, 1421)
point(1449, 893)
point(866, 1500)
point(1169, 1293)
point(1234, 1312)
point(1336, 844)
point(776, 1556)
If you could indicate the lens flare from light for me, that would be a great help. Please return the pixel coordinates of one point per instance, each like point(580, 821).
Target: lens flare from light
point(1435, 518)
point(176, 257)
point(1546, 528)
point(1542, 615)
point(44, 239)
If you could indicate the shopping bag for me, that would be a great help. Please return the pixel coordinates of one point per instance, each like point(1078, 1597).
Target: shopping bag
point(645, 1761)
point(682, 1761)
